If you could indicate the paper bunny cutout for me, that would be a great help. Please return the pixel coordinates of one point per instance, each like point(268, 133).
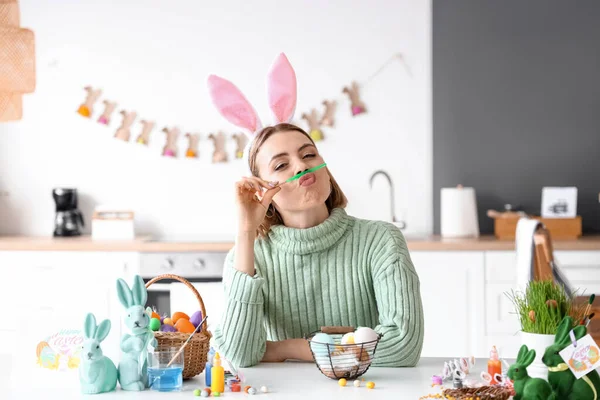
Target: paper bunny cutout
point(328, 118)
point(170, 149)
point(87, 108)
point(144, 136)
point(124, 131)
point(357, 106)
point(192, 150)
point(281, 96)
point(109, 107)
point(219, 154)
point(241, 140)
point(314, 125)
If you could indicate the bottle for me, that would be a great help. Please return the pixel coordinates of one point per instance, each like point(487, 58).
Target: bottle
point(217, 374)
point(207, 368)
point(494, 365)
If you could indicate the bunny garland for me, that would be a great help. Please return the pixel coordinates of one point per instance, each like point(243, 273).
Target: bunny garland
point(231, 103)
point(235, 108)
point(133, 371)
point(97, 373)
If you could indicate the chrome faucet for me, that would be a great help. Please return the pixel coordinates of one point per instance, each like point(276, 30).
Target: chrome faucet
point(400, 224)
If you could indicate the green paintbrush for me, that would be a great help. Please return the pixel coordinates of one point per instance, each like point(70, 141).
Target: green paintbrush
point(308, 171)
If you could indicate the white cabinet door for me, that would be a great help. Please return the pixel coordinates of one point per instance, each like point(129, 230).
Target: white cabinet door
point(52, 291)
point(452, 289)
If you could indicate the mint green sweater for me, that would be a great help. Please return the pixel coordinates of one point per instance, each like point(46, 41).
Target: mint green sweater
point(345, 271)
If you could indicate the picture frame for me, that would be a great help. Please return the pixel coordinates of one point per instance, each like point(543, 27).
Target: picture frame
point(559, 202)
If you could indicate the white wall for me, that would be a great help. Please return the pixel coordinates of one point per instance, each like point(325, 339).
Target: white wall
point(154, 58)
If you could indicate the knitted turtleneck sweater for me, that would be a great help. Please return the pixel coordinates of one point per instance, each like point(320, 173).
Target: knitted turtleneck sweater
point(342, 272)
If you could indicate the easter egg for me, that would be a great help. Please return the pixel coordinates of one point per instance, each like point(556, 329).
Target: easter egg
point(168, 321)
point(319, 342)
point(207, 390)
point(357, 383)
point(204, 393)
point(342, 382)
point(155, 324)
point(196, 318)
point(167, 328)
point(246, 388)
point(252, 391)
point(216, 394)
point(370, 385)
point(364, 335)
point(264, 389)
point(197, 392)
point(184, 326)
point(155, 315)
point(348, 338)
point(178, 315)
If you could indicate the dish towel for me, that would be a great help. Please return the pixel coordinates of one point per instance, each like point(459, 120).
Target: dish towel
point(525, 248)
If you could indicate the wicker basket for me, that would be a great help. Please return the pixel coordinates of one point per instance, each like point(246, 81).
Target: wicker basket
point(348, 361)
point(196, 352)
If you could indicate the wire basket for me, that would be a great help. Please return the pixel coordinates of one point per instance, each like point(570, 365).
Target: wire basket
point(195, 353)
point(336, 361)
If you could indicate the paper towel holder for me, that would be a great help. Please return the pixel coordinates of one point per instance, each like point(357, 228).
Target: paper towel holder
point(399, 224)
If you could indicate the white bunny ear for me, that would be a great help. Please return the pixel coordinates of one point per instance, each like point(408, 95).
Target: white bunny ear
point(232, 104)
point(281, 89)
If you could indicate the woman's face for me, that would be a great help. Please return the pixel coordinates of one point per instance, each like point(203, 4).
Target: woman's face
point(283, 155)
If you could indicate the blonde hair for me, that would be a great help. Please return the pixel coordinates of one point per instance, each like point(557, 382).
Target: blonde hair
point(336, 199)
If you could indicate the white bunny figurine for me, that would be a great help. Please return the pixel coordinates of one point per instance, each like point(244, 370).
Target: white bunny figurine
point(97, 373)
point(133, 371)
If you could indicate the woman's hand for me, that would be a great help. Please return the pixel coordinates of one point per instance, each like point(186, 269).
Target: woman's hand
point(290, 349)
point(253, 197)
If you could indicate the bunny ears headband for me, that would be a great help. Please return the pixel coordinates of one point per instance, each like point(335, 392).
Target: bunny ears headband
point(281, 95)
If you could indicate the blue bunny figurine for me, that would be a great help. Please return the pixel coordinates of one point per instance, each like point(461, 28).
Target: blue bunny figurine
point(133, 371)
point(97, 373)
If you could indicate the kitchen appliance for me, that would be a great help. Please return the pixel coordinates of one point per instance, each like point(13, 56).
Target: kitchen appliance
point(68, 219)
point(202, 269)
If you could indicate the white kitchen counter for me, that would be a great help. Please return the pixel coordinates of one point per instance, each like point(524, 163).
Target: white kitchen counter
point(291, 380)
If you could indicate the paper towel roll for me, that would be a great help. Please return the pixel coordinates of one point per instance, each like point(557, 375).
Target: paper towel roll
point(459, 212)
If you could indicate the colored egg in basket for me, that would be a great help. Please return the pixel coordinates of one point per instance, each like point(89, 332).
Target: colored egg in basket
point(344, 356)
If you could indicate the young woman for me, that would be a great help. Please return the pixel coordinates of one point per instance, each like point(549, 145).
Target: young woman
point(300, 261)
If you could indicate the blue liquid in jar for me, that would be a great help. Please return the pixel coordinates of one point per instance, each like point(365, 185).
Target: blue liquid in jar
point(166, 379)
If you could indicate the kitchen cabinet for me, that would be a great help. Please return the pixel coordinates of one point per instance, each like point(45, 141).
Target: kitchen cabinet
point(49, 291)
point(452, 293)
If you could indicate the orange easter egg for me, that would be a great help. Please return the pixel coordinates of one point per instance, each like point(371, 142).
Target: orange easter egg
point(184, 326)
point(168, 321)
point(178, 315)
point(155, 315)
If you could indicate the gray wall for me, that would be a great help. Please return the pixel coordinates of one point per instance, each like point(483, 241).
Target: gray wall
point(516, 102)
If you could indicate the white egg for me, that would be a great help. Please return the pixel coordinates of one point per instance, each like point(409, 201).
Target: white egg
point(348, 338)
point(364, 335)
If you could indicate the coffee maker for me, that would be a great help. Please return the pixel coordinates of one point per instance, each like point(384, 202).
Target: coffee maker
point(68, 217)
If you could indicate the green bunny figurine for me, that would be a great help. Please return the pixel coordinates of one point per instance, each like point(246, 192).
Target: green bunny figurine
point(97, 373)
point(526, 387)
point(561, 379)
point(133, 373)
